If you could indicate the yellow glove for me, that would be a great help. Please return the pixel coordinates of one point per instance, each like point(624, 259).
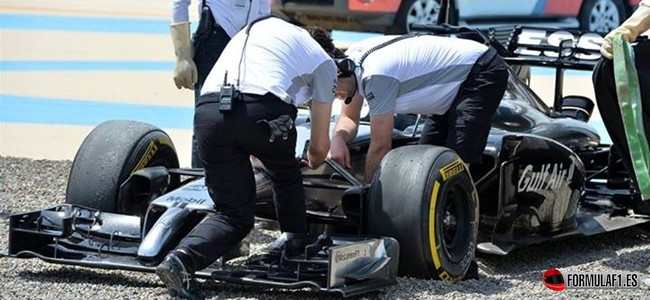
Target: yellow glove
point(636, 24)
point(185, 74)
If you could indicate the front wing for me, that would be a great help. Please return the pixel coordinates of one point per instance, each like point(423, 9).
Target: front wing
point(74, 235)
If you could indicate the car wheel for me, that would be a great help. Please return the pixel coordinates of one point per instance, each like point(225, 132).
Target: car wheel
point(418, 12)
point(424, 197)
point(110, 153)
point(601, 15)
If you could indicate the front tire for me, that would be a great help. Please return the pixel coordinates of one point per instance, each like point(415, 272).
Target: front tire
point(110, 153)
point(424, 197)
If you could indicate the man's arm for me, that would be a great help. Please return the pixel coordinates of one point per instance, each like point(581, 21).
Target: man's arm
point(637, 23)
point(180, 11)
point(345, 130)
point(319, 142)
point(185, 73)
point(323, 85)
point(381, 137)
point(381, 92)
point(348, 122)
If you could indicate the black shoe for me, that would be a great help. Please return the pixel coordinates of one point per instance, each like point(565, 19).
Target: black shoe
point(472, 272)
point(304, 244)
point(177, 279)
point(640, 206)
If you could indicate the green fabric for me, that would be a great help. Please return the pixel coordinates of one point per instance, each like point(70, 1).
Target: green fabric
point(629, 96)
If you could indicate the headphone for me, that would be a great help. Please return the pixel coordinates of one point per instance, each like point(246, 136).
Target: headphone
point(346, 66)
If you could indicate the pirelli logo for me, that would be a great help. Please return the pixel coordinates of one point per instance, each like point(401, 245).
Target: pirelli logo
point(148, 154)
point(452, 169)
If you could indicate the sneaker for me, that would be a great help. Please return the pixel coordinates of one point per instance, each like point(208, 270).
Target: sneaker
point(472, 272)
point(178, 281)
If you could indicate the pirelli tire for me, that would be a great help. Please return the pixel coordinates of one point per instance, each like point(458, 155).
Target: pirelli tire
point(424, 197)
point(110, 153)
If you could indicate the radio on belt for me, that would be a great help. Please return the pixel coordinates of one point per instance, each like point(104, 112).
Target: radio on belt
point(227, 95)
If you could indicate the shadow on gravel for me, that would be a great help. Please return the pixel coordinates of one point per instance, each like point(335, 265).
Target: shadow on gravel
point(216, 290)
point(72, 275)
point(407, 288)
point(530, 263)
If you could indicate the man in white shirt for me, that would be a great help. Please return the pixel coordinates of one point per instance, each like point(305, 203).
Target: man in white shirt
point(605, 89)
point(195, 56)
point(272, 67)
point(458, 83)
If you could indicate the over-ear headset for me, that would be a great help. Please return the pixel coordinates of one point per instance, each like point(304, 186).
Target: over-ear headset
point(346, 66)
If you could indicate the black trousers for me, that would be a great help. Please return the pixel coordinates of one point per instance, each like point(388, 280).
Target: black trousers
point(465, 127)
point(225, 143)
point(206, 54)
point(607, 100)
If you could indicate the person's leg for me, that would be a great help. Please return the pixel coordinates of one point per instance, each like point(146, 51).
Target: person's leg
point(435, 130)
point(607, 100)
point(231, 185)
point(477, 100)
point(279, 159)
point(206, 55)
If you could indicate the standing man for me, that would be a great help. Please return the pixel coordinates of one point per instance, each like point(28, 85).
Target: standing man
point(605, 88)
point(459, 83)
point(219, 21)
point(271, 67)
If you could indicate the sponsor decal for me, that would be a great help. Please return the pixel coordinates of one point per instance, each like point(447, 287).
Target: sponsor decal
point(545, 177)
point(148, 154)
point(538, 37)
point(452, 169)
point(191, 200)
point(195, 187)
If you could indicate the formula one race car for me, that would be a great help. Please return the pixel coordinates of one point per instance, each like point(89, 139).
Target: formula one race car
point(545, 175)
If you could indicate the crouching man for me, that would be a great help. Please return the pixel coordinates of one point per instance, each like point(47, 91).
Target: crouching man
point(458, 83)
point(272, 67)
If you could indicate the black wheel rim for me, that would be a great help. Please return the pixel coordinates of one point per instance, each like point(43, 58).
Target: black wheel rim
point(455, 223)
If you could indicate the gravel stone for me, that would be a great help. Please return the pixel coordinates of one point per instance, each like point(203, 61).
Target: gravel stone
point(27, 184)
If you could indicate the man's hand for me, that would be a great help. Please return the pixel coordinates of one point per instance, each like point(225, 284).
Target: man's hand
point(636, 24)
point(340, 153)
point(185, 73)
point(312, 162)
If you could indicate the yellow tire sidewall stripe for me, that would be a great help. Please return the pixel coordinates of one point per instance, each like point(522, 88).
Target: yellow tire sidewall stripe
point(433, 245)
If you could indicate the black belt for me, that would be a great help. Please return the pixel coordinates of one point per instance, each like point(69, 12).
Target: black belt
point(246, 97)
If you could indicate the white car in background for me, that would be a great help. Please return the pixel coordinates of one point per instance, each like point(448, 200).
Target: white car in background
point(396, 16)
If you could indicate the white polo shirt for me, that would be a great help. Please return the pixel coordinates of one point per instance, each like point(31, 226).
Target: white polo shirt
point(232, 15)
point(279, 58)
point(417, 75)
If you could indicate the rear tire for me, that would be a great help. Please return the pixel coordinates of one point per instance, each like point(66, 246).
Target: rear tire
point(109, 155)
point(424, 197)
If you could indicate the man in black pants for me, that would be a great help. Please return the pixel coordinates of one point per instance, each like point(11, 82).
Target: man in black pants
point(459, 83)
point(605, 88)
point(275, 66)
point(195, 57)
